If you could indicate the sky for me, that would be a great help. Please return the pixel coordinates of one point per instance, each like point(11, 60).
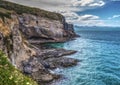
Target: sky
point(81, 12)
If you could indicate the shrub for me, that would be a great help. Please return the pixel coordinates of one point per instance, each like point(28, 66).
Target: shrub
point(9, 75)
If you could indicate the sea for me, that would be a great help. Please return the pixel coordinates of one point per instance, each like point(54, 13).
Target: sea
point(99, 54)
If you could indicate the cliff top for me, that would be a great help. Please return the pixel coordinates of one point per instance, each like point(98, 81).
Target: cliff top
point(30, 10)
point(4, 13)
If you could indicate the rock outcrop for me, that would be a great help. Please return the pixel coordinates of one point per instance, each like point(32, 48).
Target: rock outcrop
point(40, 30)
point(21, 33)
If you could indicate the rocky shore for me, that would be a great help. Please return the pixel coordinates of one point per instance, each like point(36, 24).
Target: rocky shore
point(40, 67)
point(22, 36)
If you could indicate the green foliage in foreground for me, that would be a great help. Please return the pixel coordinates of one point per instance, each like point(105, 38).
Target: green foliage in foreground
point(25, 9)
point(9, 75)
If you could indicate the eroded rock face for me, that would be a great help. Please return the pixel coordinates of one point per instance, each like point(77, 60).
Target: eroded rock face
point(34, 68)
point(23, 29)
point(37, 28)
point(21, 50)
point(61, 62)
point(55, 58)
point(55, 53)
point(12, 42)
point(39, 67)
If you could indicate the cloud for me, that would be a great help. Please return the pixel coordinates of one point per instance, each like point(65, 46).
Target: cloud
point(72, 16)
point(100, 3)
point(114, 16)
point(92, 23)
point(88, 17)
point(84, 20)
point(89, 3)
point(81, 2)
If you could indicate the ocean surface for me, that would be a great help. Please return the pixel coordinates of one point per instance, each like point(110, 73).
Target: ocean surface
point(99, 53)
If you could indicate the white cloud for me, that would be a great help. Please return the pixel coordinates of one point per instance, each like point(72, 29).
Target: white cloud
point(81, 2)
point(84, 20)
point(89, 3)
point(114, 16)
point(100, 3)
point(91, 23)
point(88, 17)
point(71, 16)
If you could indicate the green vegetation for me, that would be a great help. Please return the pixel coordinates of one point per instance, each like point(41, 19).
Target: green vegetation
point(9, 75)
point(24, 9)
point(5, 13)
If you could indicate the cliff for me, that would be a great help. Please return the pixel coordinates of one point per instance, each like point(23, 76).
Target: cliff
point(23, 29)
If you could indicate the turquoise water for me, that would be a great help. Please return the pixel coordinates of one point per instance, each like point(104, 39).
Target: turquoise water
point(99, 52)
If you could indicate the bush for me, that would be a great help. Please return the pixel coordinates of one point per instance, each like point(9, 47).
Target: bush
point(9, 75)
point(5, 13)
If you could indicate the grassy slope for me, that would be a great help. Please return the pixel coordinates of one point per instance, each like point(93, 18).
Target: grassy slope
point(9, 75)
point(25, 9)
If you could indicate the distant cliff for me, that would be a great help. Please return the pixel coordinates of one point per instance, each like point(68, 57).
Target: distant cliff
point(23, 29)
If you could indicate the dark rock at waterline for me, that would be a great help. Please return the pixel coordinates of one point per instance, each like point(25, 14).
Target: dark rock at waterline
point(37, 71)
point(55, 53)
point(53, 58)
point(61, 62)
point(40, 67)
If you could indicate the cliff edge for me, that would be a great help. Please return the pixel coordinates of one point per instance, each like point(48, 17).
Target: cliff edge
point(23, 30)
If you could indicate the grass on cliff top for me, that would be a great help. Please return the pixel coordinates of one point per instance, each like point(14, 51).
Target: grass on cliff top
point(5, 13)
point(9, 75)
point(30, 10)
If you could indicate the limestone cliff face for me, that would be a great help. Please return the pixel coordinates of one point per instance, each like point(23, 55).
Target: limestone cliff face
point(39, 30)
point(36, 29)
point(12, 42)
point(18, 32)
